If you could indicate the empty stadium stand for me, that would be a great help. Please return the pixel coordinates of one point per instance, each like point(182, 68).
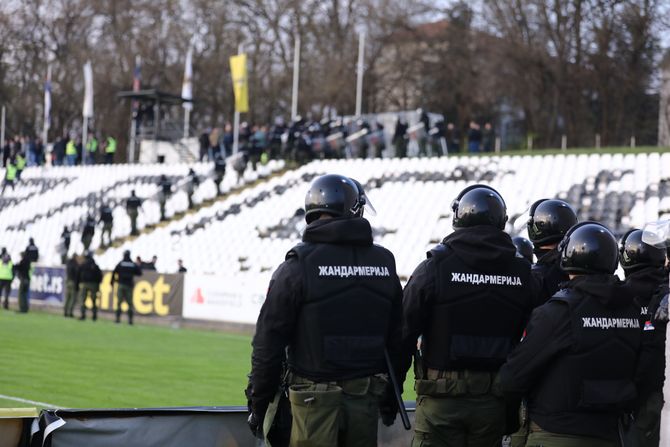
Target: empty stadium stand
point(248, 233)
point(47, 199)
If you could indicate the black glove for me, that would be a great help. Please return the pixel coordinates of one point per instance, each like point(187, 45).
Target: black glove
point(388, 414)
point(256, 425)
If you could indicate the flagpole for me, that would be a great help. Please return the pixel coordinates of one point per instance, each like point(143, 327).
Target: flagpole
point(47, 113)
point(296, 78)
point(236, 119)
point(359, 79)
point(134, 111)
point(2, 127)
point(187, 88)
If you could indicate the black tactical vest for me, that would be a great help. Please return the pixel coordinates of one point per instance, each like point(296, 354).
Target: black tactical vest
point(346, 312)
point(477, 318)
point(584, 390)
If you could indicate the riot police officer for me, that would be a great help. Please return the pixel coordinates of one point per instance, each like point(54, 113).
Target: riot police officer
point(219, 171)
point(644, 265)
point(192, 183)
point(107, 219)
point(165, 185)
point(89, 277)
point(548, 223)
point(469, 302)
point(577, 362)
point(524, 248)
point(336, 304)
point(133, 204)
point(88, 232)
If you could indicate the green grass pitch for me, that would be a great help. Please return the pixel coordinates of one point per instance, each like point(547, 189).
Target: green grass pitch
point(80, 364)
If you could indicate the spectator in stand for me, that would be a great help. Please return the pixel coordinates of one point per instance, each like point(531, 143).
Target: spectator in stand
point(6, 152)
point(6, 277)
point(58, 152)
point(80, 150)
point(138, 261)
point(180, 264)
point(29, 148)
point(39, 152)
point(228, 138)
point(257, 145)
point(213, 144)
point(474, 138)
point(32, 252)
point(204, 144)
point(239, 162)
point(488, 138)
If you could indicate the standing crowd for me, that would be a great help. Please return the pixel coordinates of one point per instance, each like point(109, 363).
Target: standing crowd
point(559, 353)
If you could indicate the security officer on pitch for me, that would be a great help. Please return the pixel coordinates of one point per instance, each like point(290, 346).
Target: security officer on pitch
point(548, 223)
point(89, 279)
point(6, 277)
point(336, 304)
point(577, 362)
point(124, 273)
point(644, 266)
point(71, 285)
point(469, 302)
point(107, 219)
point(132, 206)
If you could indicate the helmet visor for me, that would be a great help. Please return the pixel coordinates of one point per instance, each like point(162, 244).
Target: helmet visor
point(657, 234)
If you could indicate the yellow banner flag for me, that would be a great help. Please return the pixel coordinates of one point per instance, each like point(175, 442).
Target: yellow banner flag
point(238, 71)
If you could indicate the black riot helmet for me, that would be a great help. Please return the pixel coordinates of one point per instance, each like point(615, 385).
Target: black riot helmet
point(635, 253)
point(589, 248)
point(479, 205)
point(524, 248)
point(549, 220)
point(332, 194)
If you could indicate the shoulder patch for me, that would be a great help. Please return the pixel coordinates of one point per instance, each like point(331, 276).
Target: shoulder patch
point(436, 250)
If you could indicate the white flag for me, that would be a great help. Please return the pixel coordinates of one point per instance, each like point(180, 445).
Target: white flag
point(87, 111)
point(187, 86)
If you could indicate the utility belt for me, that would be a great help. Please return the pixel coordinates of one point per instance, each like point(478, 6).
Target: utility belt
point(463, 383)
point(375, 385)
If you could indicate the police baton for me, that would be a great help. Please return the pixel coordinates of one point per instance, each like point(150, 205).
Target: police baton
point(396, 390)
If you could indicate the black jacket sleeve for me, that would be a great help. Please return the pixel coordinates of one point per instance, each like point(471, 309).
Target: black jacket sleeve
point(417, 302)
point(394, 337)
point(548, 333)
point(274, 331)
